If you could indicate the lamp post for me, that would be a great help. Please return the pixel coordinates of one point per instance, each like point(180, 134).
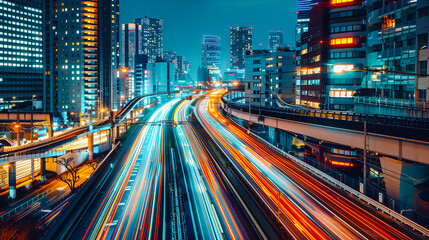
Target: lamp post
point(17, 127)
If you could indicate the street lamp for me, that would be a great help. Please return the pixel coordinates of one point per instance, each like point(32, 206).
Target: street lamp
point(17, 126)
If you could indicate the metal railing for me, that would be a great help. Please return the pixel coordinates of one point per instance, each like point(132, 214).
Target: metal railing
point(24, 205)
point(335, 115)
point(392, 102)
point(33, 155)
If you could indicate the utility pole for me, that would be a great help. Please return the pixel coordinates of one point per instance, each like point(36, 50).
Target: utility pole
point(364, 155)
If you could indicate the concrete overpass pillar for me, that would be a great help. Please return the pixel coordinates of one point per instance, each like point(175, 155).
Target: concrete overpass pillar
point(91, 146)
point(12, 180)
point(400, 178)
point(32, 169)
point(43, 170)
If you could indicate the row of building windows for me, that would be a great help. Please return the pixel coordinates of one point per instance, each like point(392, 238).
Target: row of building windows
point(349, 13)
point(21, 36)
point(20, 65)
point(21, 48)
point(21, 23)
point(310, 82)
point(347, 28)
point(21, 30)
point(310, 93)
point(341, 93)
point(349, 54)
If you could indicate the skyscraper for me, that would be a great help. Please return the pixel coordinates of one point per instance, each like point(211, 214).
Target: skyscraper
point(211, 51)
point(275, 39)
point(241, 41)
point(80, 55)
point(169, 56)
point(151, 38)
point(21, 53)
point(210, 58)
point(128, 45)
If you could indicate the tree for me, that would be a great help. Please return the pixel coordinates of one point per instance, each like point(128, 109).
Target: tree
point(92, 164)
point(70, 177)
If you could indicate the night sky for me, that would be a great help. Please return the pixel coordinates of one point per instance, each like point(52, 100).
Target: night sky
point(186, 21)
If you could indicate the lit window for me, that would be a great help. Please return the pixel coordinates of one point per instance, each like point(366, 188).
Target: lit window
point(340, 1)
point(342, 41)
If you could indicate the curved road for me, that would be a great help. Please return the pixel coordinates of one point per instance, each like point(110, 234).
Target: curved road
point(303, 205)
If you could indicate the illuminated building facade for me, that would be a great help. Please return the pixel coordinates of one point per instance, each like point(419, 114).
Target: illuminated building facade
point(332, 47)
point(159, 77)
point(392, 44)
point(268, 76)
point(303, 18)
point(21, 54)
point(150, 38)
point(347, 41)
point(314, 51)
point(211, 51)
point(241, 42)
point(128, 50)
point(81, 38)
point(275, 39)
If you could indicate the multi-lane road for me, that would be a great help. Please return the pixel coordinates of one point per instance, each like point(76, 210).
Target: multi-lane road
point(186, 171)
point(304, 205)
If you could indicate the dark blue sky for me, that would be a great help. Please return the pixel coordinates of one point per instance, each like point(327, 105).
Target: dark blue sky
point(186, 21)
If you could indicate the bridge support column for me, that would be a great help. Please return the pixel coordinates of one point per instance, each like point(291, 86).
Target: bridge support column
point(91, 146)
point(117, 132)
point(12, 180)
point(32, 169)
point(401, 178)
point(43, 170)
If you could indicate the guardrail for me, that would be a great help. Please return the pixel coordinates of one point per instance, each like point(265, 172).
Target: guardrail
point(34, 155)
point(395, 215)
point(347, 116)
point(45, 140)
point(414, 129)
point(22, 206)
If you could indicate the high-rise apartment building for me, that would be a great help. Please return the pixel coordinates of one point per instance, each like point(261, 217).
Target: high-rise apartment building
point(275, 39)
point(269, 76)
point(312, 76)
point(332, 47)
point(151, 38)
point(241, 42)
point(303, 18)
point(21, 54)
point(81, 41)
point(392, 45)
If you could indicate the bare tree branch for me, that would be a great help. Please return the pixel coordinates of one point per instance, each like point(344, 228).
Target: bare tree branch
point(70, 177)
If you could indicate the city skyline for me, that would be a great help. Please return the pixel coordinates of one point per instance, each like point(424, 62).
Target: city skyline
point(218, 23)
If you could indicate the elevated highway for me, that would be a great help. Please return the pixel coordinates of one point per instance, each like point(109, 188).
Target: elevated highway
point(400, 138)
point(48, 148)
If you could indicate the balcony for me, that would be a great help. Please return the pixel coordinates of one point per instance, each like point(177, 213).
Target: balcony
point(403, 28)
point(404, 52)
point(398, 5)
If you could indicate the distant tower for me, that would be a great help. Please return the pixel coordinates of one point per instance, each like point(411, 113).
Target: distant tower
point(211, 54)
point(276, 40)
point(241, 41)
point(151, 38)
point(128, 45)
